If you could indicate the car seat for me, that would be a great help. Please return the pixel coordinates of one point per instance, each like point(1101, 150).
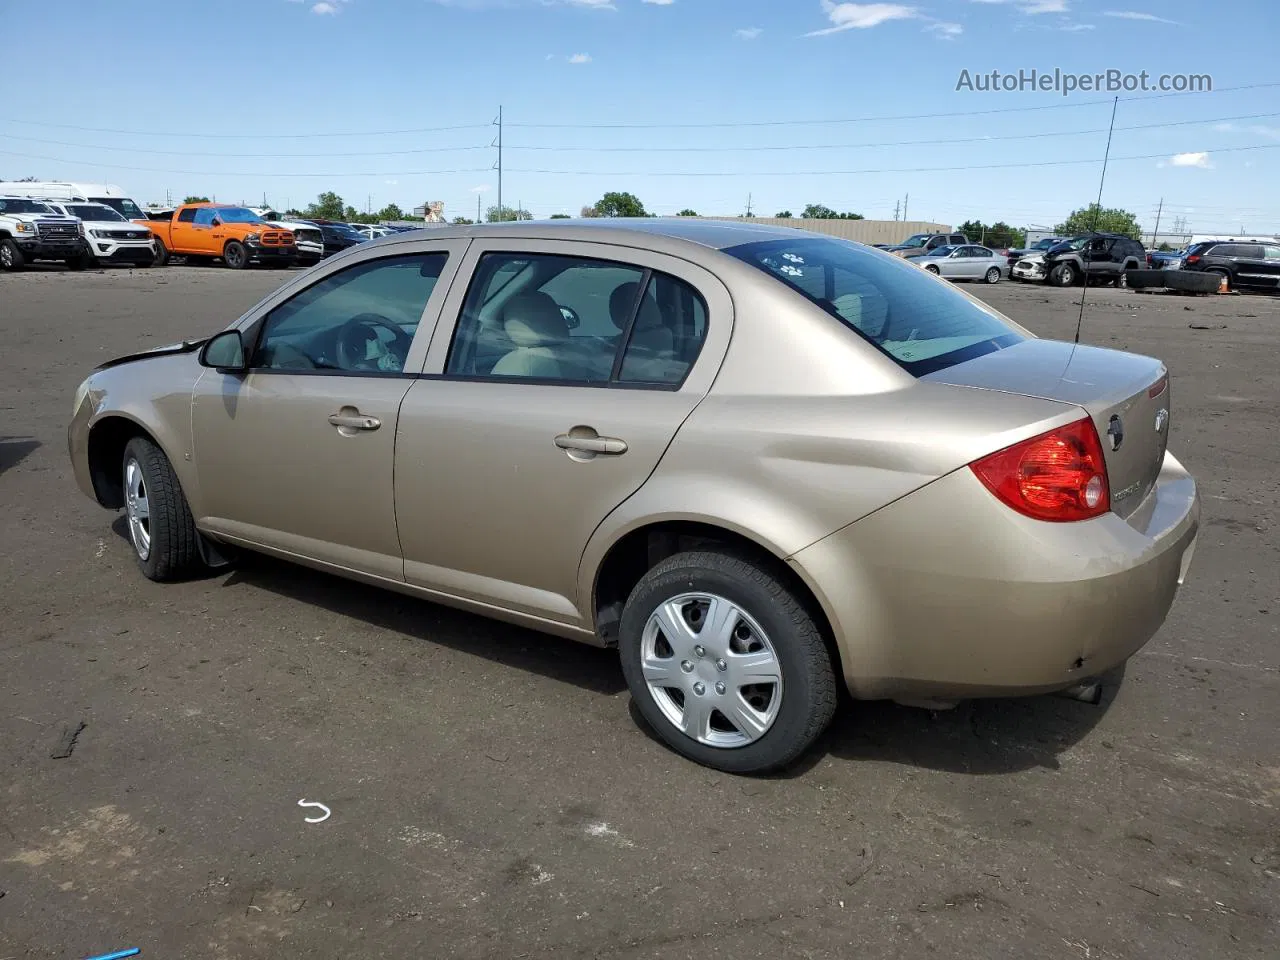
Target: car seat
point(536, 326)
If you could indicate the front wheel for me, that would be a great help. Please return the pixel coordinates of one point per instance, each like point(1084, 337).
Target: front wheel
point(1062, 275)
point(993, 275)
point(1122, 281)
point(726, 663)
point(162, 253)
point(235, 256)
point(161, 528)
point(933, 269)
point(11, 257)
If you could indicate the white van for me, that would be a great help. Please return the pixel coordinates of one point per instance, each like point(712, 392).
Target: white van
point(105, 193)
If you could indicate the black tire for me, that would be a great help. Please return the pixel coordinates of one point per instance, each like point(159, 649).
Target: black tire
point(993, 275)
point(11, 257)
point(808, 679)
point(234, 255)
point(933, 268)
point(1145, 279)
point(173, 551)
point(162, 253)
point(1062, 275)
point(1122, 281)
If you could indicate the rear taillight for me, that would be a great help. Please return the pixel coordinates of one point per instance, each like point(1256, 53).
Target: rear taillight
point(1158, 387)
point(1059, 476)
point(1194, 258)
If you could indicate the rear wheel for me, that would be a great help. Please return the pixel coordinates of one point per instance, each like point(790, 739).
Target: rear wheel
point(11, 257)
point(161, 529)
point(725, 662)
point(1062, 275)
point(235, 256)
point(993, 275)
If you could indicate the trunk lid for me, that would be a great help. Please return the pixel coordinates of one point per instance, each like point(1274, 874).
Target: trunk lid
point(1125, 394)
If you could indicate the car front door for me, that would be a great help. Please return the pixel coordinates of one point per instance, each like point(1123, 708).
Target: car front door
point(557, 378)
point(204, 236)
point(1097, 255)
point(296, 454)
point(965, 264)
point(1271, 264)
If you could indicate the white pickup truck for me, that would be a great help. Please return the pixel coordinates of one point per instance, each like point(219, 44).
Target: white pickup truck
point(30, 230)
point(306, 236)
point(108, 236)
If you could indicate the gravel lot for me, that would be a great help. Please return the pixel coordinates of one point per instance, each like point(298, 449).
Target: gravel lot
point(491, 793)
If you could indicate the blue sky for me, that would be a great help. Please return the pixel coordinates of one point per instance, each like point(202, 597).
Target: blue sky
point(686, 103)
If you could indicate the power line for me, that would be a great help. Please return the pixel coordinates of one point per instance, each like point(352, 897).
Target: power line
point(872, 118)
point(848, 173)
point(226, 173)
point(246, 136)
point(249, 156)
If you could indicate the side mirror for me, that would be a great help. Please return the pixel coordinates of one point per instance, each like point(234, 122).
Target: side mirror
point(217, 221)
point(225, 353)
point(571, 317)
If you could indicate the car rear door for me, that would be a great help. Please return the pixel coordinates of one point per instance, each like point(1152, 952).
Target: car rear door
point(296, 454)
point(552, 388)
point(1271, 264)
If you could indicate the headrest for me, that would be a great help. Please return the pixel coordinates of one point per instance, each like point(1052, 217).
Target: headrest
point(620, 302)
point(534, 320)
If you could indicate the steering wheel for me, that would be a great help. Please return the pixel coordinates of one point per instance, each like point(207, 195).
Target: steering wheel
point(354, 335)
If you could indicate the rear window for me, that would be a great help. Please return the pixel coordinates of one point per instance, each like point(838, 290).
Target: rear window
point(919, 322)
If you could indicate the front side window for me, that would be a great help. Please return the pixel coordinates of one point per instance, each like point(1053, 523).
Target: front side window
point(204, 216)
point(576, 320)
point(361, 319)
point(922, 325)
point(238, 215)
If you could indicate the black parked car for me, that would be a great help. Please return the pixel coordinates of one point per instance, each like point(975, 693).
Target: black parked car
point(338, 236)
point(1102, 257)
point(1243, 264)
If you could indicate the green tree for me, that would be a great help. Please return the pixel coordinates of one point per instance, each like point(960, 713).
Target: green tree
point(1101, 219)
point(504, 213)
point(463, 221)
point(327, 206)
point(616, 204)
point(588, 211)
point(196, 200)
point(561, 216)
point(820, 211)
point(1165, 248)
point(391, 212)
point(784, 215)
point(686, 212)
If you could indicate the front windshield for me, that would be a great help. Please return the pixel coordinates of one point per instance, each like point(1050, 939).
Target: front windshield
point(1076, 243)
point(238, 215)
point(22, 205)
point(891, 303)
point(93, 212)
point(1045, 244)
point(123, 206)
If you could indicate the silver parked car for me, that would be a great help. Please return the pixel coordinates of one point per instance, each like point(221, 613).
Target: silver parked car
point(967, 262)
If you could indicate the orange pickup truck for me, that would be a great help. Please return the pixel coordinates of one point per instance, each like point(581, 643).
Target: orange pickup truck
point(236, 235)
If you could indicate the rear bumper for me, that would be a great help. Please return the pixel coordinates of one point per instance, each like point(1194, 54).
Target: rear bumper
point(948, 594)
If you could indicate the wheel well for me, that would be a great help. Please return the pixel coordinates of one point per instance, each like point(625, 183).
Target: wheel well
point(641, 550)
point(107, 441)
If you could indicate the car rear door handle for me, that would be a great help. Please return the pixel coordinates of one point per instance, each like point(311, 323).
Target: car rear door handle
point(354, 421)
point(608, 446)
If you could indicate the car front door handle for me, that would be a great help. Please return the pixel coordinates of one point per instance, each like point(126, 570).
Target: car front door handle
point(607, 446)
point(354, 421)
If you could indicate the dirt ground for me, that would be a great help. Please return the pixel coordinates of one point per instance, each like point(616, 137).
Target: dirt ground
point(492, 794)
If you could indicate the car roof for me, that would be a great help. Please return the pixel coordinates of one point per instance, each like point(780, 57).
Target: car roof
point(627, 231)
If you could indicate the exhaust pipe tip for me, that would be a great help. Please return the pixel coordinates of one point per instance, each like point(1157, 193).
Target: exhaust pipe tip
point(1087, 691)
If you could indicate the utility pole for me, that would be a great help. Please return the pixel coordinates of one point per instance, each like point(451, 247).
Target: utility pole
point(498, 143)
point(368, 203)
point(1155, 234)
point(748, 204)
point(897, 208)
point(478, 218)
point(904, 206)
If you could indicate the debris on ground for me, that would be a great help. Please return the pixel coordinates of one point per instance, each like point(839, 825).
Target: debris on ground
point(67, 741)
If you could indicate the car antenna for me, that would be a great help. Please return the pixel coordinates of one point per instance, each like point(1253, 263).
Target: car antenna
point(1097, 212)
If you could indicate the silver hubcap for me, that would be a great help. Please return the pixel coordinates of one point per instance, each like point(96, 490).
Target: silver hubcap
point(6, 256)
point(138, 507)
point(711, 670)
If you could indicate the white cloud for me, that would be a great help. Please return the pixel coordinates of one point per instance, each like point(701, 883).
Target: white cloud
point(659, 3)
point(580, 58)
point(1033, 6)
point(861, 16)
point(391, 183)
point(944, 30)
point(1200, 160)
point(747, 33)
point(1077, 27)
point(480, 188)
point(324, 8)
point(590, 4)
point(1137, 15)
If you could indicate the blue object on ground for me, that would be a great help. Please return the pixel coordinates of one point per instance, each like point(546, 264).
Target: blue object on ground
point(132, 951)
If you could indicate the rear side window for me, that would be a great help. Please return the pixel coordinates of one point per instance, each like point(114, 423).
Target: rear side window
point(891, 303)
